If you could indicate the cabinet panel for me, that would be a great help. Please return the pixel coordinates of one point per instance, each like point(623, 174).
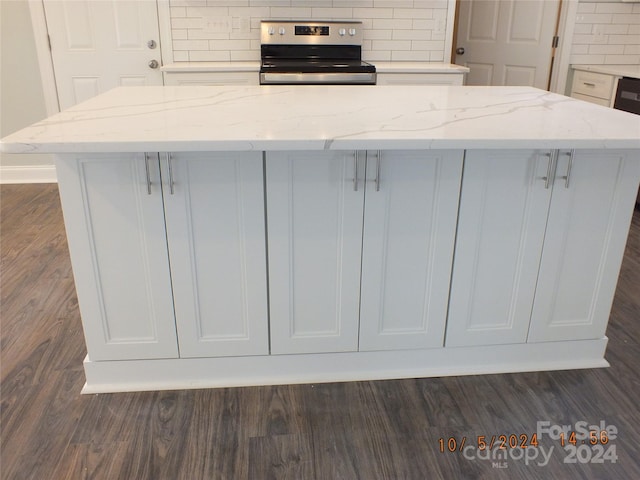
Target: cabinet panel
point(315, 237)
point(503, 211)
point(420, 78)
point(409, 233)
point(116, 234)
point(593, 84)
point(584, 244)
point(216, 236)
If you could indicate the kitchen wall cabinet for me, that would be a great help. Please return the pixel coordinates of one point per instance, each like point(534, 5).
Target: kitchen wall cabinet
point(341, 281)
point(116, 229)
point(531, 240)
point(214, 206)
point(208, 258)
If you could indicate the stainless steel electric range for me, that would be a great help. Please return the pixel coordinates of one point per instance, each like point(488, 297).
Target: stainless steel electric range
point(305, 52)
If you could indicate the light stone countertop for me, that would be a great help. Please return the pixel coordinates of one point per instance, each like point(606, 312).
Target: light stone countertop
point(203, 118)
point(381, 67)
point(632, 71)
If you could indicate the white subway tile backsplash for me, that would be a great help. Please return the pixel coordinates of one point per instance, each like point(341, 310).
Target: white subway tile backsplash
point(611, 29)
point(392, 23)
point(624, 39)
point(332, 13)
point(180, 56)
point(607, 49)
point(410, 56)
point(622, 59)
point(191, 45)
point(286, 13)
point(373, 12)
point(632, 49)
point(614, 8)
point(594, 18)
point(606, 33)
point(178, 12)
point(412, 13)
point(588, 59)
point(586, 8)
point(209, 56)
point(222, 30)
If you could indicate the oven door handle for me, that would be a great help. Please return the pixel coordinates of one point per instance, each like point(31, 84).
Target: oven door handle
point(368, 78)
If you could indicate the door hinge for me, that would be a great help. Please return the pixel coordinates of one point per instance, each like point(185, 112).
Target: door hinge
point(555, 42)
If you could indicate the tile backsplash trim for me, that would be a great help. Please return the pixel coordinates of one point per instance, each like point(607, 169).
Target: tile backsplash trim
point(607, 33)
point(229, 30)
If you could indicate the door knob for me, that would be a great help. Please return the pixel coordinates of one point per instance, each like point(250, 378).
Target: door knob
point(460, 50)
point(154, 64)
point(152, 44)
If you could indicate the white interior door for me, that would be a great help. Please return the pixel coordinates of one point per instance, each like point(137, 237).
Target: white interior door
point(506, 42)
point(97, 45)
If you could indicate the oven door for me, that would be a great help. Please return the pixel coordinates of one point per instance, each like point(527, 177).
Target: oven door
point(628, 95)
point(319, 78)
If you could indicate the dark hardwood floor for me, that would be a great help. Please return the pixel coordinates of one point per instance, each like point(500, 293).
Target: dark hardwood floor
point(359, 430)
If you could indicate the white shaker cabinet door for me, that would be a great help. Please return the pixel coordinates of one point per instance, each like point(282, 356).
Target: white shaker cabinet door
point(214, 206)
point(584, 244)
point(503, 212)
point(315, 237)
point(411, 212)
point(116, 231)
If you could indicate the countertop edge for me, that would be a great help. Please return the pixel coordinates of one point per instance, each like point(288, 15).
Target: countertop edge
point(381, 67)
point(317, 145)
point(632, 71)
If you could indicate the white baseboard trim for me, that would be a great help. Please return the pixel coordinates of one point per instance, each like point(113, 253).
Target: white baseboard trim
point(28, 174)
point(185, 373)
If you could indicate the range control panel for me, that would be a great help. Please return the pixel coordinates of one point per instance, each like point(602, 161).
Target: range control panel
point(294, 32)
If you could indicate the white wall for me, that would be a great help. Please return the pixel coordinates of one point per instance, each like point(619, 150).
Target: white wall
point(21, 98)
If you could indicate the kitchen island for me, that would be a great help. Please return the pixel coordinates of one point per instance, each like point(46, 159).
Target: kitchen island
point(227, 236)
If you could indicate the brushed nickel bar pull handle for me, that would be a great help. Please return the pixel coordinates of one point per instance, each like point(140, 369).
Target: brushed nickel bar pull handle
point(567, 177)
point(552, 160)
point(170, 167)
point(355, 170)
point(377, 180)
point(589, 84)
point(147, 174)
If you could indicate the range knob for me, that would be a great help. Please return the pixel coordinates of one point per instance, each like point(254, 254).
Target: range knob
point(281, 31)
point(272, 31)
point(352, 31)
point(342, 32)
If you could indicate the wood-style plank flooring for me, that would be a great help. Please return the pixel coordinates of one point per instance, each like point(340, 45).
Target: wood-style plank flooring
point(359, 430)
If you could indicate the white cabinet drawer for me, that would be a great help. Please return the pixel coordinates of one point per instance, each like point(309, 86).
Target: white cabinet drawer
point(593, 84)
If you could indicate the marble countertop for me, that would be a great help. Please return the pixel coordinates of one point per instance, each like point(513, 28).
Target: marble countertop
point(201, 118)
point(381, 67)
point(632, 71)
